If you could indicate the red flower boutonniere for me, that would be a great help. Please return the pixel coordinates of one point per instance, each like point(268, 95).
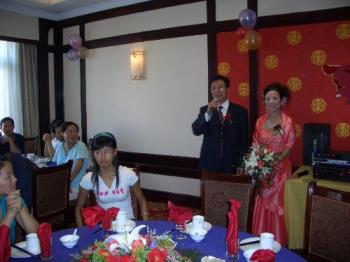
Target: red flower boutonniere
point(228, 118)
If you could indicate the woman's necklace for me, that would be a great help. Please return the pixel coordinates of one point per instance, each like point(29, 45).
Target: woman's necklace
point(269, 125)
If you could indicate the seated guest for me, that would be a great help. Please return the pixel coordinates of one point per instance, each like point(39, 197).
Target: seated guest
point(56, 135)
point(12, 141)
point(71, 149)
point(13, 209)
point(110, 182)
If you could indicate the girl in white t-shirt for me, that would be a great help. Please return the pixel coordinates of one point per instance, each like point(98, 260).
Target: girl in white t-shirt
point(110, 182)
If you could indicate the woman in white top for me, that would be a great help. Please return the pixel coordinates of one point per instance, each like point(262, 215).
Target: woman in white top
point(110, 182)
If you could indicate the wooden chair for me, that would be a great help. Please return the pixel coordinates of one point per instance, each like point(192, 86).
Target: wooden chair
point(51, 187)
point(31, 145)
point(327, 224)
point(217, 189)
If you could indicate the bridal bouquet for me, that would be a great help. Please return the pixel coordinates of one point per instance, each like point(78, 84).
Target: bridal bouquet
point(258, 163)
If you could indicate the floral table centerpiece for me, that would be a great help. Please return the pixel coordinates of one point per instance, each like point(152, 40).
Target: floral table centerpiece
point(132, 248)
point(259, 163)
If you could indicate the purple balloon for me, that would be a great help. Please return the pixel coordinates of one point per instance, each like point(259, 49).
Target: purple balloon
point(247, 18)
point(72, 54)
point(74, 41)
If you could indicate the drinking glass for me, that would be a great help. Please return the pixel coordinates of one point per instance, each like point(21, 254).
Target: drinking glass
point(180, 231)
point(232, 254)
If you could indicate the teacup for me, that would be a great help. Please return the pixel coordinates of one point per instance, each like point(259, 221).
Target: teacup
point(32, 243)
point(266, 240)
point(198, 222)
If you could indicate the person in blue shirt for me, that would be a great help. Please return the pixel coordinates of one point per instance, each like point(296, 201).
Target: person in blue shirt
point(70, 149)
point(12, 207)
point(12, 141)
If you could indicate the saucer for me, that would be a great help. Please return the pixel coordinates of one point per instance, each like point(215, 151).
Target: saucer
point(211, 259)
point(276, 246)
point(16, 253)
point(206, 226)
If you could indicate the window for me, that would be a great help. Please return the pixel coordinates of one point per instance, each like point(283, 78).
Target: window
point(10, 98)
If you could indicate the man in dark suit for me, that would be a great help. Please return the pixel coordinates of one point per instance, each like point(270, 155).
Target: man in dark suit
point(224, 126)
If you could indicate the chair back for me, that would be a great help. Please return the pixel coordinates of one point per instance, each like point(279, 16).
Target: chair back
point(31, 145)
point(51, 187)
point(327, 224)
point(218, 189)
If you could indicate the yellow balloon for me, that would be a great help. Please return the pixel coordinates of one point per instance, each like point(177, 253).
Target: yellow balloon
point(253, 40)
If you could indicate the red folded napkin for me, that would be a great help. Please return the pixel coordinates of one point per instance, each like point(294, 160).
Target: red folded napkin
point(45, 239)
point(5, 247)
point(232, 230)
point(263, 255)
point(96, 214)
point(178, 214)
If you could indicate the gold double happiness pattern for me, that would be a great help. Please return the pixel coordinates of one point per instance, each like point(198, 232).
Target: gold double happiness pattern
point(224, 68)
point(293, 37)
point(342, 130)
point(297, 129)
point(271, 61)
point(343, 31)
point(318, 57)
point(243, 89)
point(318, 105)
point(242, 47)
point(294, 84)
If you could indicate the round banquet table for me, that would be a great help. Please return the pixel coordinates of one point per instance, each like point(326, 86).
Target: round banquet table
point(213, 244)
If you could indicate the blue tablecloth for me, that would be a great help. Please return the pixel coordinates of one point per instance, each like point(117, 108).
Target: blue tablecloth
point(213, 244)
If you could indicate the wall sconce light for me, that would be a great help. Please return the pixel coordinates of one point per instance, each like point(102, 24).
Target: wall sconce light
point(137, 63)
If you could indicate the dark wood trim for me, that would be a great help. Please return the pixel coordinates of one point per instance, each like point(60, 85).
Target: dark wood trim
point(178, 199)
point(83, 89)
point(211, 44)
point(125, 10)
point(58, 73)
point(43, 76)
point(163, 160)
point(186, 167)
point(19, 40)
point(181, 31)
point(226, 26)
point(253, 90)
point(302, 18)
point(253, 80)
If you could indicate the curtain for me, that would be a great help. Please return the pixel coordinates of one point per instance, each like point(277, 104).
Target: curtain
point(28, 75)
point(10, 91)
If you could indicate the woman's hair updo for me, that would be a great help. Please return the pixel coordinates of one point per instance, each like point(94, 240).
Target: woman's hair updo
point(280, 89)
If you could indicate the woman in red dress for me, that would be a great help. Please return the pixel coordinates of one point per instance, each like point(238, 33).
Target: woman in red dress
point(275, 131)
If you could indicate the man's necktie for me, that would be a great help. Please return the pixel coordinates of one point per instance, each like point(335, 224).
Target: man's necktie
point(221, 117)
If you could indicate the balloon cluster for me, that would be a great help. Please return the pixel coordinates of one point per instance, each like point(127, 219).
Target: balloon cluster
point(247, 19)
point(77, 51)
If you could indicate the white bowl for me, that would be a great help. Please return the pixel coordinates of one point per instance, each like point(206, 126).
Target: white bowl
point(198, 234)
point(69, 241)
point(248, 253)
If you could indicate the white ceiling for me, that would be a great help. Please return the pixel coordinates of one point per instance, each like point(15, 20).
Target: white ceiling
point(61, 9)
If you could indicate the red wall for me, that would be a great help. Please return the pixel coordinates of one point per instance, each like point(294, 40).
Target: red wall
point(294, 55)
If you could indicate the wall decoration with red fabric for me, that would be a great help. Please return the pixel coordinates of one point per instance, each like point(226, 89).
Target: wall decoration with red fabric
point(313, 60)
